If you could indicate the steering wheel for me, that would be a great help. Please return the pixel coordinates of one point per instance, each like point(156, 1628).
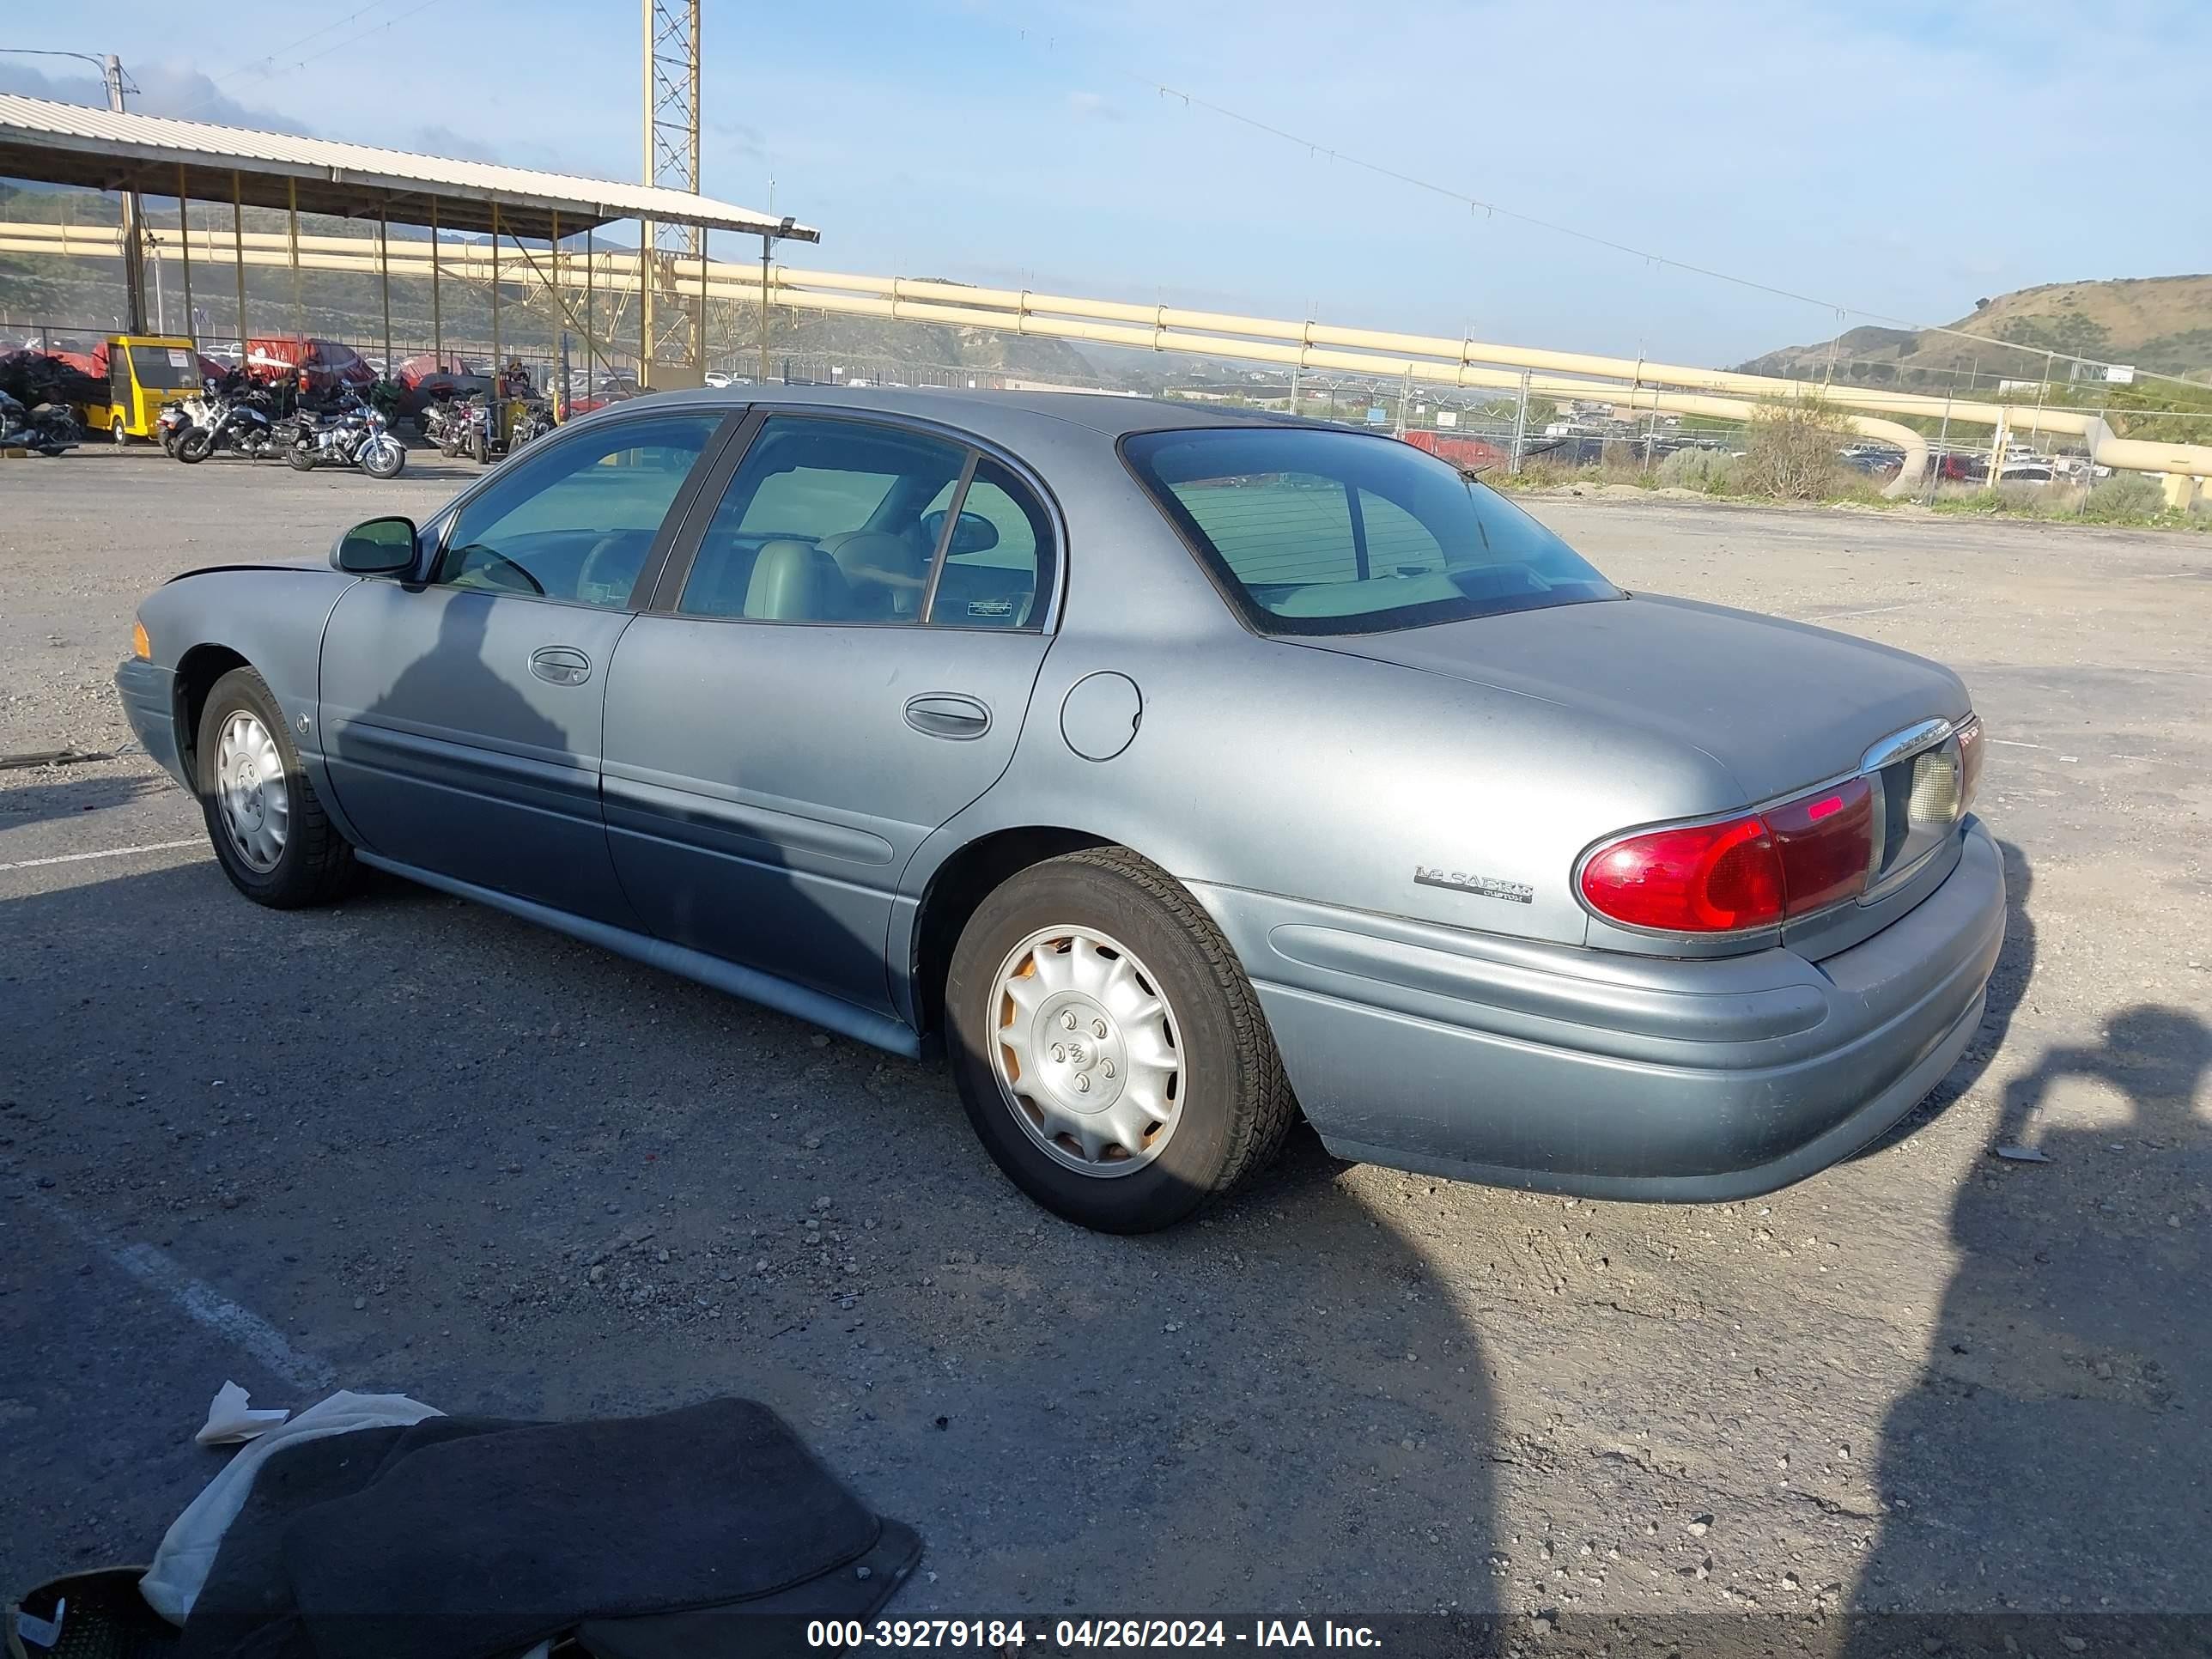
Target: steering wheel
point(478, 551)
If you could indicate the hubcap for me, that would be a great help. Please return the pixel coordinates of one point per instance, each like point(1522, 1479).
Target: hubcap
point(1087, 1054)
point(256, 808)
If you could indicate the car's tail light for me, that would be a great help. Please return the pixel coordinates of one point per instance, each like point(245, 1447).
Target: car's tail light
point(1970, 761)
point(1826, 843)
point(1704, 878)
point(1750, 871)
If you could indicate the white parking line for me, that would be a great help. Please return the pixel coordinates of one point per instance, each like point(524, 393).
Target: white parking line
point(108, 852)
point(198, 1300)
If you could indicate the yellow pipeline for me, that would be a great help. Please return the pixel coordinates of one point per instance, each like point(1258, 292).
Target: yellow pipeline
point(1430, 360)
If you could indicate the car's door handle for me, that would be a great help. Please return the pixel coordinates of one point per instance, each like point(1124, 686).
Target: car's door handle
point(948, 715)
point(560, 665)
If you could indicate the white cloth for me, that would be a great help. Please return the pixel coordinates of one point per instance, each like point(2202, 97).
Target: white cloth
point(230, 1420)
point(187, 1555)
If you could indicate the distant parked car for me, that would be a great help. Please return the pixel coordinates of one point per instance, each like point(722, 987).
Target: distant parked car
point(715, 378)
point(989, 720)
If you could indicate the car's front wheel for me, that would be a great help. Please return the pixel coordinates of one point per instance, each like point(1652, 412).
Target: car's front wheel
point(270, 833)
point(1109, 1049)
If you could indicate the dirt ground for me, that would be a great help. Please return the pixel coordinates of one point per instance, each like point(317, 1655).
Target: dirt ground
point(413, 1145)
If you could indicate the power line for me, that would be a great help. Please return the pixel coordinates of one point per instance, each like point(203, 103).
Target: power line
point(1314, 148)
point(263, 65)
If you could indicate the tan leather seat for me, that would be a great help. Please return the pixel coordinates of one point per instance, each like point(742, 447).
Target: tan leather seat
point(885, 574)
point(791, 582)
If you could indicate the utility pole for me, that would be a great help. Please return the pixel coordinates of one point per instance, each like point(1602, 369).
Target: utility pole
point(134, 269)
point(673, 336)
point(1520, 425)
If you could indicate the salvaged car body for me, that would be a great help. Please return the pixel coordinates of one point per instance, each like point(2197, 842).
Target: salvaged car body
point(1178, 771)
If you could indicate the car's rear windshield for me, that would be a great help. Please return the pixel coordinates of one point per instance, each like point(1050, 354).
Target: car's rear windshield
point(1318, 531)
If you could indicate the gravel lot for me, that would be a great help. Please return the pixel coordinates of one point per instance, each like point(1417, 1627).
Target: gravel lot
point(409, 1145)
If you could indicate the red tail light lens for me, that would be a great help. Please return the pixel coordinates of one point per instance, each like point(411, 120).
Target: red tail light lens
point(1970, 761)
point(1827, 844)
point(1751, 871)
point(1707, 878)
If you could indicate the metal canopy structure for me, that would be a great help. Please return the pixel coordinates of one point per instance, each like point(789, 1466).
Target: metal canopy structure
point(73, 144)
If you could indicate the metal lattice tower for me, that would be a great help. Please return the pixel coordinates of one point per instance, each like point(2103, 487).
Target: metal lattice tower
point(673, 330)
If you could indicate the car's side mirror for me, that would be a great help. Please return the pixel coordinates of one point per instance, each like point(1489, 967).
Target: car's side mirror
point(973, 533)
point(376, 547)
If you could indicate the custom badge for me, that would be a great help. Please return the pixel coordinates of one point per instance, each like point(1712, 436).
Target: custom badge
point(1460, 881)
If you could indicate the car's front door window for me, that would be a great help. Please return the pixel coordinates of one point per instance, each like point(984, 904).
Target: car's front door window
point(576, 520)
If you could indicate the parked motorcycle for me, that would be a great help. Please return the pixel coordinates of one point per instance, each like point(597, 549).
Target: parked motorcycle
point(47, 429)
point(354, 436)
point(469, 430)
point(447, 423)
point(238, 422)
point(175, 420)
point(535, 421)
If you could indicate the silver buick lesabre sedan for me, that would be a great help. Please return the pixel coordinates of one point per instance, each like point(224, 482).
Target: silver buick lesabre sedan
point(1177, 772)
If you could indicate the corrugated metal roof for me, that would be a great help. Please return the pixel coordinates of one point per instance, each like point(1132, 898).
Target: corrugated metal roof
point(73, 143)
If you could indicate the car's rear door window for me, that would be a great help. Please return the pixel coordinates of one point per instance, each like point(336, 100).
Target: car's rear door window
point(997, 566)
point(1310, 529)
point(826, 521)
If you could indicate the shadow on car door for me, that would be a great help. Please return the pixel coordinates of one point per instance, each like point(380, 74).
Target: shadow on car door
point(462, 714)
point(793, 719)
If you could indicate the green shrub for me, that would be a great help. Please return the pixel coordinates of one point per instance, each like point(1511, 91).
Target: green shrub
point(1791, 451)
point(2126, 495)
point(1708, 470)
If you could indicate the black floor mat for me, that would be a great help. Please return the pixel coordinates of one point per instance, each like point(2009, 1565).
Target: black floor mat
point(461, 1539)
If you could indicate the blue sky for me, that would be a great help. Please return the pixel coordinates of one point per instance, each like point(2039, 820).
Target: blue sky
point(1900, 159)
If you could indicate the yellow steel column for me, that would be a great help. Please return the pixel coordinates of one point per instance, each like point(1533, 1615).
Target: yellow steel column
point(437, 315)
point(384, 281)
point(591, 319)
point(292, 234)
point(496, 364)
point(560, 306)
point(238, 258)
point(185, 243)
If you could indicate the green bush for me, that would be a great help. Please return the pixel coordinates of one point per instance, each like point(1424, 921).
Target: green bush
point(1708, 470)
point(2126, 495)
point(1791, 452)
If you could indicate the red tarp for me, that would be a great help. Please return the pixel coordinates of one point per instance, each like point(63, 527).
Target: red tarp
point(428, 365)
point(274, 358)
point(1472, 452)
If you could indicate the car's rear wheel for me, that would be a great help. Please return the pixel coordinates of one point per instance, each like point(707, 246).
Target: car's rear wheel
point(270, 833)
point(1110, 1052)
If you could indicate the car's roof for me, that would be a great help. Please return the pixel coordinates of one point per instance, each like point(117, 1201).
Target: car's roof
point(1005, 416)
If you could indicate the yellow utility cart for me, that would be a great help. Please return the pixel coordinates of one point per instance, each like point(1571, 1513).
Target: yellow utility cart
point(144, 371)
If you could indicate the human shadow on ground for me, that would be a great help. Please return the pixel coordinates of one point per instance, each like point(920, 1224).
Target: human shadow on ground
point(2050, 1462)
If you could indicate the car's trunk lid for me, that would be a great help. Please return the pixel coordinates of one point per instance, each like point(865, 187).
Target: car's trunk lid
point(1781, 705)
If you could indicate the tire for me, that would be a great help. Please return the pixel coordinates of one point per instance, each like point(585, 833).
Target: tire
point(196, 446)
point(1231, 1105)
point(383, 457)
point(480, 447)
point(300, 457)
point(312, 864)
point(118, 434)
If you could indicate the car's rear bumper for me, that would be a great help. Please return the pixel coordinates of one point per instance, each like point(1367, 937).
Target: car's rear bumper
point(1606, 1075)
point(149, 703)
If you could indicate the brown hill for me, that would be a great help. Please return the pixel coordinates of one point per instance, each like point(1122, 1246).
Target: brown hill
point(2160, 322)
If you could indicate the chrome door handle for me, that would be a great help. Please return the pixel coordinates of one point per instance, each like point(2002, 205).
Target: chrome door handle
point(560, 665)
point(948, 715)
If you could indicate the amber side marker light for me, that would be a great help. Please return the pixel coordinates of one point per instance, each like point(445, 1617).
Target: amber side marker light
point(141, 646)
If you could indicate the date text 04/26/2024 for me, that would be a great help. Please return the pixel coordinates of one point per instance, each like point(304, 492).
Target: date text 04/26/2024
point(1072, 1635)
